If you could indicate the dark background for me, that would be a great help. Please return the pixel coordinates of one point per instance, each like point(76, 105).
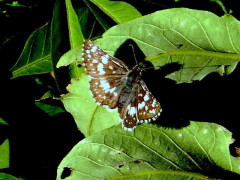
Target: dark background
point(38, 142)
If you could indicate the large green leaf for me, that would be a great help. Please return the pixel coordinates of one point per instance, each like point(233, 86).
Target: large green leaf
point(43, 47)
point(88, 116)
point(198, 148)
point(36, 55)
point(119, 11)
point(199, 40)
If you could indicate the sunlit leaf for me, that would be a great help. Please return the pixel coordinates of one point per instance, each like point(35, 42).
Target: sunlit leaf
point(198, 148)
point(119, 11)
point(199, 40)
point(88, 116)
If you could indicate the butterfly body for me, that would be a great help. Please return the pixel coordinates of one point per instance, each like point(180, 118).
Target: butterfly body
point(114, 85)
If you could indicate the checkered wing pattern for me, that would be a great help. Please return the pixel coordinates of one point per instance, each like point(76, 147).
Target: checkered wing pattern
point(105, 72)
point(113, 85)
point(143, 108)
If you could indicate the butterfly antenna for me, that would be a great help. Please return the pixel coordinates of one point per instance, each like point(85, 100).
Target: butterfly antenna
point(134, 55)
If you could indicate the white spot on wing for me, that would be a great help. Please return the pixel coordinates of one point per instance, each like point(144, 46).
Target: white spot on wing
point(95, 61)
point(112, 90)
point(104, 84)
point(94, 49)
point(100, 69)
point(141, 105)
point(132, 111)
point(104, 59)
point(146, 97)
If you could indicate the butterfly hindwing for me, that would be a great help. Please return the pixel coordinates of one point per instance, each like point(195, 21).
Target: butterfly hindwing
point(147, 105)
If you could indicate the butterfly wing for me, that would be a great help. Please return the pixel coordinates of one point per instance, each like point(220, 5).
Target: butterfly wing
point(148, 107)
point(106, 73)
point(142, 108)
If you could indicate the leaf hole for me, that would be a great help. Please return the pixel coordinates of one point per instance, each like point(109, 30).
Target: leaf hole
point(66, 172)
point(234, 147)
point(120, 165)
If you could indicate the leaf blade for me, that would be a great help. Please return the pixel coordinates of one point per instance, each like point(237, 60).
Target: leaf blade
point(88, 116)
point(36, 56)
point(182, 30)
point(119, 11)
point(150, 148)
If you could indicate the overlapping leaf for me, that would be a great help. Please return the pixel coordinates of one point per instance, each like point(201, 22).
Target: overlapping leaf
point(119, 11)
point(88, 116)
point(199, 40)
point(36, 55)
point(149, 149)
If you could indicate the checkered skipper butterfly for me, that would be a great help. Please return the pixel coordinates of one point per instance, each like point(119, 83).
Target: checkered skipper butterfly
point(114, 85)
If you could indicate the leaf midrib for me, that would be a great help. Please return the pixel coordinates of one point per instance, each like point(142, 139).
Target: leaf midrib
point(235, 57)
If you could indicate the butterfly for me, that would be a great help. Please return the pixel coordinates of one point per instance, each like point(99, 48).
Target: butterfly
point(114, 85)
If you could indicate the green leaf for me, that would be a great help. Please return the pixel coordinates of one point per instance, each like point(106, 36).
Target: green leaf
point(36, 55)
point(75, 36)
point(4, 176)
point(199, 40)
point(4, 148)
point(98, 15)
point(198, 148)
point(51, 110)
point(71, 56)
point(119, 11)
point(221, 5)
point(3, 122)
point(4, 155)
point(170, 175)
point(88, 116)
point(75, 32)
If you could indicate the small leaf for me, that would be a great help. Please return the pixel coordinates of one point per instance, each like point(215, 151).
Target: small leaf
point(36, 55)
point(4, 155)
point(88, 116)
point(113, 152)
point(51, 110)
point(46, 95)
point(71, 56)
point(221, 5)
point(3, 122)
point(119, 11)
point(199, 40)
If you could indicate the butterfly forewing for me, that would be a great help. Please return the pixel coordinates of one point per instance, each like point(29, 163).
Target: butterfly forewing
point(105, 72)
point(99, 64)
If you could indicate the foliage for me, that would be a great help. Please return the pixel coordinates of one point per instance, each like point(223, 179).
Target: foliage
point(200, 41)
